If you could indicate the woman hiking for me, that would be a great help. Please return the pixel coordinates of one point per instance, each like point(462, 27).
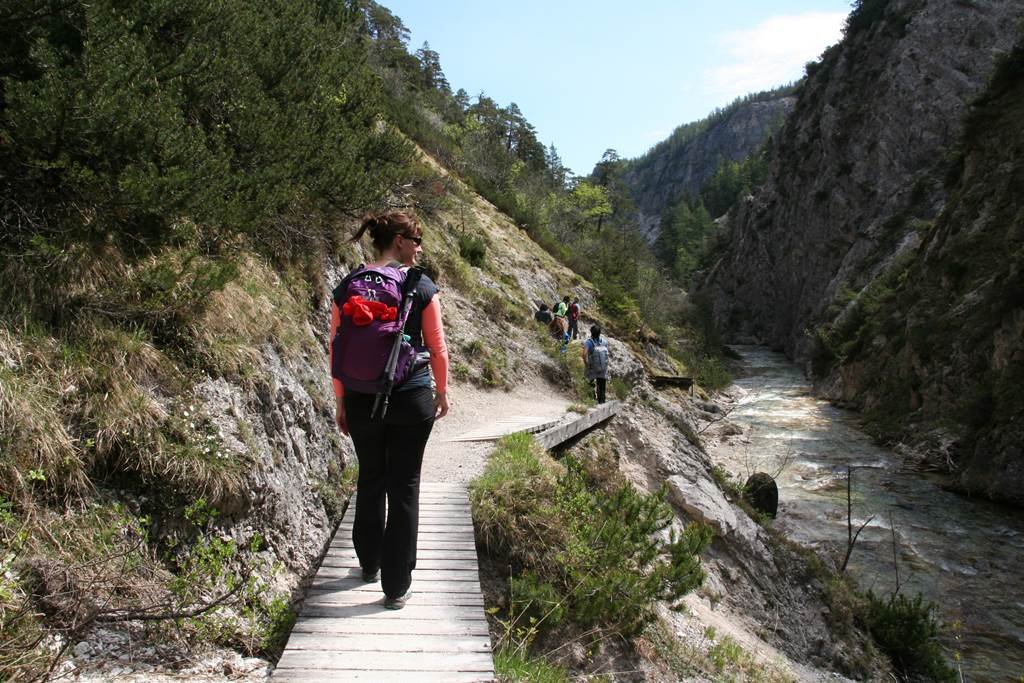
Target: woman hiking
point(390, 435)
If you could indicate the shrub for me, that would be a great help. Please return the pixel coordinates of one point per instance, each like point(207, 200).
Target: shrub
point(600, 558)
point(907, 630)
point(473, 249)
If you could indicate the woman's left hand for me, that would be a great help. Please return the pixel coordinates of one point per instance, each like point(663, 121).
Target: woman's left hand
point(440, 405)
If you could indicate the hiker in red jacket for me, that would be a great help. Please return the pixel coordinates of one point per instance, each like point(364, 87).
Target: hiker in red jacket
point(574, 319)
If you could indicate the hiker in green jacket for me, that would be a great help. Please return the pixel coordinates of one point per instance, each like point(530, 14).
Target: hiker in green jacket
point(562, 307)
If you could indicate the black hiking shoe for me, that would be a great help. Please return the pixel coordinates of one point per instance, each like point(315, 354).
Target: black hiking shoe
point(371, 575)
point(399, 602)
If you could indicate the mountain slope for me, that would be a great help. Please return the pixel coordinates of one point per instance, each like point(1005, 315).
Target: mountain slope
point(680, 165)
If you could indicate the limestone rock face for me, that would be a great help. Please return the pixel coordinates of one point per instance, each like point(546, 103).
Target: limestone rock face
point(285, 426)
point(672, 170)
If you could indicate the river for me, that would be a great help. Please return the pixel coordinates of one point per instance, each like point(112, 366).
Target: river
point(964, 555)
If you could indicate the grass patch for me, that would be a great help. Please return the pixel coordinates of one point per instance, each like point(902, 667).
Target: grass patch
point(620, 388)
point(511, 664)
point(709, 371)
point(336, 488)
point(257, 308)
point(492, 363)
point(572, 370)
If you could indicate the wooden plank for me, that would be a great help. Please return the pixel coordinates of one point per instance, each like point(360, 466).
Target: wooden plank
point(406, 626)
point(319, 596)
point(424, 544)
point(375, 611)
point(562, 433)
point(421, 553)
point(317, 676)
point(431, 530)
point(397, 642)
point(354, 583)
point(496, 429)
point(417, 575)
point(421, 563)
point(426, 539)
point(345, 633)
point(373, 661)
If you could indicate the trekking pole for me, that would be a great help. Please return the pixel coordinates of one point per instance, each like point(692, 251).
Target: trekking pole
point(412, 280)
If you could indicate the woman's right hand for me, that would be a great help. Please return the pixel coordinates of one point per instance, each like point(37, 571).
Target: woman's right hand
point(440, 405)
point(339, 416)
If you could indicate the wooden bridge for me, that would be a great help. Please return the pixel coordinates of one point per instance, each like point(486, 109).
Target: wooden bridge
point(344, 633)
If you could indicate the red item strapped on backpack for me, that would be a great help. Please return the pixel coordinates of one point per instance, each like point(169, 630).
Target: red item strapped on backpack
point(363, 312)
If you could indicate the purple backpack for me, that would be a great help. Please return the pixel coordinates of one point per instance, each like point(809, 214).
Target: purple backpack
point(370, 301)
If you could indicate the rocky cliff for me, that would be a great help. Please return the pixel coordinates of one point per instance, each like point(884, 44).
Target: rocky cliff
point(858, 179)
point(938, 344)
point(680, 165)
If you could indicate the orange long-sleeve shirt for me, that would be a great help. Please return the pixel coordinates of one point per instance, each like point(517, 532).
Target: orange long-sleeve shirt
point(433, 337)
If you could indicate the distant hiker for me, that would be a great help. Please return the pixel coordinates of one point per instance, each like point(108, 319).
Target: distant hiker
point(595, 359)
point(559, 328)
point(574, 319)
point(543, 315)
point(562, 307)
point(372, 308)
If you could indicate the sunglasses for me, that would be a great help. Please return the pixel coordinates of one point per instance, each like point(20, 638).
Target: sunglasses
point(417, 240)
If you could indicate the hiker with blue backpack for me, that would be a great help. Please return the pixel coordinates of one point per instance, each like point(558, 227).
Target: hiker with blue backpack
point(595, 360)
point(386, 338)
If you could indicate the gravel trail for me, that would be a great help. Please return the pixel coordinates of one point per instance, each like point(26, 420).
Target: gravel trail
point(471, 408)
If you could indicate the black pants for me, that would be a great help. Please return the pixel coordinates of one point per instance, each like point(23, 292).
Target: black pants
point(574, 328)
point(599, 387)
point(390, 453)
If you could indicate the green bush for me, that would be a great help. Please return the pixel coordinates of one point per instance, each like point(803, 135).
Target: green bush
point(599, 557)
point(907, 630)
point(473, 249)
point(620, 388)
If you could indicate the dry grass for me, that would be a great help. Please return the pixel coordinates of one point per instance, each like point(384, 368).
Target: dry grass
point(258, 307)
point(37, 451)
point(512, 501)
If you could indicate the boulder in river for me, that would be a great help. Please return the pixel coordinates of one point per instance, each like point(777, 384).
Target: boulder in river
point(762, 493)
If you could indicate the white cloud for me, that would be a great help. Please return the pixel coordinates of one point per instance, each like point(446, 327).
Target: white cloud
point(772, 53)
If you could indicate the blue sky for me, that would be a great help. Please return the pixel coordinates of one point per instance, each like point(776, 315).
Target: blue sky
point(596, 74)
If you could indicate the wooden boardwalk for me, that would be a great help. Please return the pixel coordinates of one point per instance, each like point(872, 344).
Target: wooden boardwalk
point(556, 436)
point(497, 428)
point(343, 632)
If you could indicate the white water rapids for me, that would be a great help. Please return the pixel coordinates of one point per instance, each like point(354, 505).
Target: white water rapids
point(965, 555)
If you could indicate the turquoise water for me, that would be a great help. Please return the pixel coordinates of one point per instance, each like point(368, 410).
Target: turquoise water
point(965, 555)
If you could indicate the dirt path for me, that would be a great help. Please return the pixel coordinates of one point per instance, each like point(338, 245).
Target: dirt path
point(460, 461)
